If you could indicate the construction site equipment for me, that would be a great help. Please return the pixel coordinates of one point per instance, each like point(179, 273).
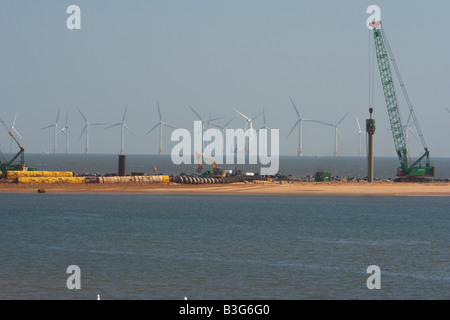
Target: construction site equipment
point(370, 129)
point(6, 165)
point(408, 168)
point(216, 172)
point(322, 176)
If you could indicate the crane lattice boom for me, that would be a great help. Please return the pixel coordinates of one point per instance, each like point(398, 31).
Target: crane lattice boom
point(384, 55)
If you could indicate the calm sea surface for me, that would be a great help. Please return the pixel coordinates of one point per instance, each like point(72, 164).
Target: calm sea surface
point(223, 246)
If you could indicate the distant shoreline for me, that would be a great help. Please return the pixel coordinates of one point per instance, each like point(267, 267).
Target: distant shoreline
point(258, 187)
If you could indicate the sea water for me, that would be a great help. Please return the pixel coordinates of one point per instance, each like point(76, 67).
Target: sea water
point(223, 246)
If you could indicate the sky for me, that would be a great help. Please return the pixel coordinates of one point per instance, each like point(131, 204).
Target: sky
point(218, 56)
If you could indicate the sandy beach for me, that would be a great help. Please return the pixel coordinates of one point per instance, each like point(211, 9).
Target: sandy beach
point(259, 187)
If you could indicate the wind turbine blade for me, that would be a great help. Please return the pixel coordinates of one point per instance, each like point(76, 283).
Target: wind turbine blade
point(215, 125)
point(229, 122)
point(210, 120)
point(196, 113)
point(322, 122)
point(67, 117)
point(411, 132)
point(14, 129)
point(159, 112)
point(359, 127)
point(126, 127)
point(97, 124)
point(168, 125)
point(295, 125)
point(156, 125)
point(51, 126)
point(125, 113)
point(256, 116)
point(342, 119)
point(114, 125)
point(295, 108)
point(82, 132)
point(14, 121)
point(82, 115)
point(57, 117)
point(243, 115)
point(448, 110)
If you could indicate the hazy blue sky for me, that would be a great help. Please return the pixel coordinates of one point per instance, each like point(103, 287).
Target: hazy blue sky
point(217, 56)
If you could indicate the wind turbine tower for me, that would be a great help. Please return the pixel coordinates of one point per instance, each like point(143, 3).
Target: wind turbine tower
point(223, 128)
point(57, 129)
point(336, 132)
point(299, 123)
point(250, 126)
point(66, 130)
point(86, 129)
point(203, 126)
point(160, 124)
point(123, 126)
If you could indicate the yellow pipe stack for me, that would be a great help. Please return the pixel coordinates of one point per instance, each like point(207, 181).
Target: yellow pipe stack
point(57, 177)
point(50, 180)
point(44, 177)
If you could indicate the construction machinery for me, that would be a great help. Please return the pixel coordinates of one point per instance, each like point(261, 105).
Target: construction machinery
point(9, 165)
point(409, 170)
point(216, 172)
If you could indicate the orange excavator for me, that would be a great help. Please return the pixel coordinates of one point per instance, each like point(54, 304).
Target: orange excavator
point(216, 172)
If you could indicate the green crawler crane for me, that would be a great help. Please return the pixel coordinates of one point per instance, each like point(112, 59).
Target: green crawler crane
point(9, 165)
point(409, 170)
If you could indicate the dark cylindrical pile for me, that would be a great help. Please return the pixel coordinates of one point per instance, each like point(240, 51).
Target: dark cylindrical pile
point(122, 161)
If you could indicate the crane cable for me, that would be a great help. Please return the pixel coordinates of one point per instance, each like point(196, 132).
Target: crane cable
point(371, 79)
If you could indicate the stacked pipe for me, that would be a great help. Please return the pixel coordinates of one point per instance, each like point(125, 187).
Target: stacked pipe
point(34, 174)
point(50, 180)
point(46, 177)
point(195, 180)
point(135, 179)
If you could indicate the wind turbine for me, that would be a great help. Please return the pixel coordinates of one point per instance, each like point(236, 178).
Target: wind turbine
point(160, 124)
point(57, 129)
point(223, 128)
point(336, 132)
point(299, 123)
point(123, 126)
point(249, 125)
point(265, 127)
point(264, 121)
point(66, 131)
point(203, 125)
point(86, 129)
point(359, 137)
point(13, 129)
